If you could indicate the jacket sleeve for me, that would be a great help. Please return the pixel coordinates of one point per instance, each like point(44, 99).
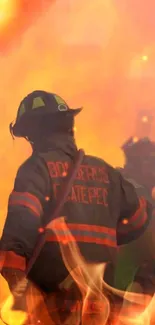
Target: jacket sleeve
point(26, 206)
point(135, 228)
point(136, 211)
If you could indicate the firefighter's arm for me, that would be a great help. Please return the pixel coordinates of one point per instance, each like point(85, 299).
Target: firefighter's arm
point(26, 205)
point(135, 233)
point(136, 211)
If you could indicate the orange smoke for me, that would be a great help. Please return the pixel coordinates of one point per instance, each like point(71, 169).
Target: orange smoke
point(90, 52)
point(7, 11)
point(16, 16)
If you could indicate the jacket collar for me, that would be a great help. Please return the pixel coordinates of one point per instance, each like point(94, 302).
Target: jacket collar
point(58, 142)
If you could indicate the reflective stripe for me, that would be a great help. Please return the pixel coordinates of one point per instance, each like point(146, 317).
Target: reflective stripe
point(140, 216)
point(9, 259)
point(137, 220)
point(26, 199)
point(88, 234)
point(38, 102)
point(94, 228)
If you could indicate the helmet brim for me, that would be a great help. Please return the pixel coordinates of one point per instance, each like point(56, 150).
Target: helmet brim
point(20, 125)
point(75, 111)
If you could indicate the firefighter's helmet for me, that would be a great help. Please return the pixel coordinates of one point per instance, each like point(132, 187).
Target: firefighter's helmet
point(38, 104)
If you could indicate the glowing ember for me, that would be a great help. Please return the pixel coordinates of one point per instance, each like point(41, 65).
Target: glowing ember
point(125, 221)
point(145, 58)
point(144, 119)
point(41, 230)
point(135, 139)
point(64, 174)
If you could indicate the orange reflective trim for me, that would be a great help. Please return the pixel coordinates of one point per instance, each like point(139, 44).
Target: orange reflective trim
point(94, 228)
point(83, 239)
point(137, 220)
point(26, 199)
point(142, 221)
point(9, 259)
point(26, 204)
point(140, 211)
point(86, 234)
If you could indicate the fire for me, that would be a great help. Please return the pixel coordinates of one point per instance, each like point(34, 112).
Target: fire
point(96, 302)
point(17, 317)
point(87, 277)
point(136, 307)
point(12, 318)
point(7, 10)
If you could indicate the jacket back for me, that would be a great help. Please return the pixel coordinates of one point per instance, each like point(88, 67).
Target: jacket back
point(99, 202)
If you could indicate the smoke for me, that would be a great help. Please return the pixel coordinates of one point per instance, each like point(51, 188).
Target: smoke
point(88, 52)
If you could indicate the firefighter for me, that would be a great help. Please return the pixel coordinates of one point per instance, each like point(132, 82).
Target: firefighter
point(100, 199)
point(139, 171)
point(139, 162)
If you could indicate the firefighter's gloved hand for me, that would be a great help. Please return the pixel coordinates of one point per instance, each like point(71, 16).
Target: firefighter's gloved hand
point(19, 294)
point(18, 286)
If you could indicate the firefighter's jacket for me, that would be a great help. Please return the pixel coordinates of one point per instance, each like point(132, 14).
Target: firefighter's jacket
point(100, 203)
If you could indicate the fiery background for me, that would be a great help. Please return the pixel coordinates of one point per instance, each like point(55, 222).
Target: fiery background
point(96, 54)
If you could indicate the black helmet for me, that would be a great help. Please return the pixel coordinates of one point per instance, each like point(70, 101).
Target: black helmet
point(39, 104)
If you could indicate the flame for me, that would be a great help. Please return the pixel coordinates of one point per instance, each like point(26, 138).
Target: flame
point(98, 303)
point(36, 306)
point(87, 277)
point(12, 318)
point(7, 11)
point(137, 308)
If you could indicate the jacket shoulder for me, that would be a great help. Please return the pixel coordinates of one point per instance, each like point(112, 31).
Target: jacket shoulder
point(99, 161)
point(28, 163)
point(33, 164)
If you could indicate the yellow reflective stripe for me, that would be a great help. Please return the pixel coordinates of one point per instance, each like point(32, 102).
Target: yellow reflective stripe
point(59, 100)
point(22, 110)
point(38, 102)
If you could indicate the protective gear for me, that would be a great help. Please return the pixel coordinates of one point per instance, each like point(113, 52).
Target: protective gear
point(18, 285)
point(98, 190)
point(99, 202)
point(129, 266)
point(19, 294)
point(36, 106)
point(22, 299)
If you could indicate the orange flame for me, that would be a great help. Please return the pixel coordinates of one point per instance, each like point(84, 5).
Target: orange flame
point(99, 302)
point(89, 278)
